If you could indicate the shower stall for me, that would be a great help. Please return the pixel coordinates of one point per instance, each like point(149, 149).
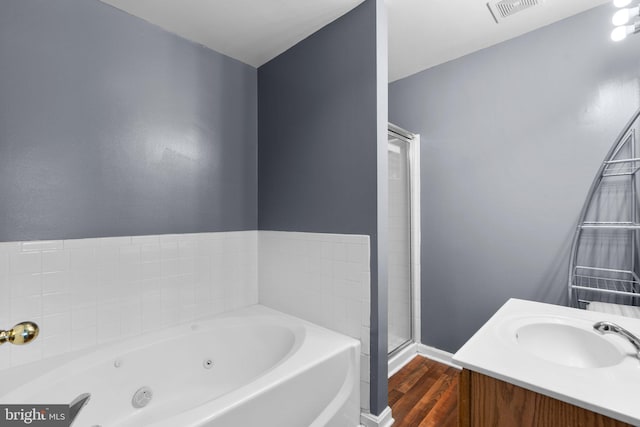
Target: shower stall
point(403, 244)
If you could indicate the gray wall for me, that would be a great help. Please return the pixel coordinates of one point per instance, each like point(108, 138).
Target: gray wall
point(512, 137)
point(318, 153)
point(317, 131)
point(110, 126)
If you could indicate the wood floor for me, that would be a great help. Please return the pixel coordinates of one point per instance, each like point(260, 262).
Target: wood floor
point(424, 393)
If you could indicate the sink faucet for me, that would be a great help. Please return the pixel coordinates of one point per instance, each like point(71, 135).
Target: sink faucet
point(76, 405)
point(605, 327)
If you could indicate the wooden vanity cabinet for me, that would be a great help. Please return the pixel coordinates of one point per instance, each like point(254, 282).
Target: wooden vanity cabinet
point(488, 402)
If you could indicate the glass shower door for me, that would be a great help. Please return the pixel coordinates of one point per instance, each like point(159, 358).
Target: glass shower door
point(399, 279)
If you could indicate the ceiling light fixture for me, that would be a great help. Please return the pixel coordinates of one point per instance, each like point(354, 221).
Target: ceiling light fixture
point(626, 20)
point(621, 3)
point(623, 16)
point(620, 33)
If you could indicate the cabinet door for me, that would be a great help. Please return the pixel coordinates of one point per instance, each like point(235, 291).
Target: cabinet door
point(495, 403)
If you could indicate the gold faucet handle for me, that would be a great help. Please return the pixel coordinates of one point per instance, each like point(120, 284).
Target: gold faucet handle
point(22, 333)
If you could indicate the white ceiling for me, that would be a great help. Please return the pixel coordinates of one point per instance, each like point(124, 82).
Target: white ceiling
point(422, 33)
point(252, 31)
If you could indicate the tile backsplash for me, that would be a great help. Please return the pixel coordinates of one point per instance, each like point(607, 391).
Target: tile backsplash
point(89, 291)
point(322, 278)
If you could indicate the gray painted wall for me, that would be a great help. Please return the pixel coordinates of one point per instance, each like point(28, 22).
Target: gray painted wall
point(317, 117)
point(512, 137)
point(111, 126)
point(318, 154)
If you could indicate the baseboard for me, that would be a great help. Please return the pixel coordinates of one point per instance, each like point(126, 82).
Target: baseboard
point(402, 358)
point(437, 355)
point(383, 420)
point(405, 356)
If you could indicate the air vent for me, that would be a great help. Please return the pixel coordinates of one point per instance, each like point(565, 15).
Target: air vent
point(501, 9)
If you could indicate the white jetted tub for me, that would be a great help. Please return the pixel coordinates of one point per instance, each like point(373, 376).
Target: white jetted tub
point(251, 367)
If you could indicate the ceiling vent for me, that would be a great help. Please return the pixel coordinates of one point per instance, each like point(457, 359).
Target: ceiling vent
point(501, 9)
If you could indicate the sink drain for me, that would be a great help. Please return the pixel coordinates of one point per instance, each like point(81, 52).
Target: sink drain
point(142, 397)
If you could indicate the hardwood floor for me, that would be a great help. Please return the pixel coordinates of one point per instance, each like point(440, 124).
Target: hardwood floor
point(424, 393)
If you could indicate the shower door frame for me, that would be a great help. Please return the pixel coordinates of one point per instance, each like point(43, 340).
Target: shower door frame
point(413, 141)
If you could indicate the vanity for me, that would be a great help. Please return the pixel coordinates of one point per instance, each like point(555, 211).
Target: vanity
point(535, 364)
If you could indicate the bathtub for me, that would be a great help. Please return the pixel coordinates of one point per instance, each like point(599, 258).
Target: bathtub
point(251, 367)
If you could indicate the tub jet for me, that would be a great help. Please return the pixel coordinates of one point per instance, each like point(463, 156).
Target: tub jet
point(142, 397)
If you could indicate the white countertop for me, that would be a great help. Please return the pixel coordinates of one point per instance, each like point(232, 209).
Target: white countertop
point(613, 391)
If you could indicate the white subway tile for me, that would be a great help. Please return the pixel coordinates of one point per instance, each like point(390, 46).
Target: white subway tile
point(169, 250)
point(151, 320)
point(169, 238)
point(5, 300)
point(113, 241)
point(128, 273)
point(97, 290)
point(57, 260)
point(364, 368)
point(41, 245)
point(25, 285)
point(79, 281)
point(187, 297)
point(170, 317)
point(25, 262)
point(84, 338)
point(188, 237)
point(146, 240)
point(107, 331)
point(10, 247)
point(365, 283)
point(130, 254)
point(107, 258)
point(149, 286)
point(4, 263)
point(55, 304)
point(355, 253)
point(186, 314)
point(131, 324)
point(188, 248)
point(354, 272)
point(203, 294)
point(217, 306)
point(26, 308)
point(151, 304)
point(340, 269)
point(79, 243)
point(87, 298)
point(365, 312)
point(150, 252)
point(187, 266)
point(170, 267)
point(57, 324)
point(365, 340)
point(150, 270)
point(82, 258)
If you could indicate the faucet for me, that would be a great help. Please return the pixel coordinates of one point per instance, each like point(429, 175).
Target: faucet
point(22, 333)
point(605, 327)
point(76, 405)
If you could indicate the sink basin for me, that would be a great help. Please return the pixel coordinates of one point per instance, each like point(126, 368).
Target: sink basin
point(568, 345)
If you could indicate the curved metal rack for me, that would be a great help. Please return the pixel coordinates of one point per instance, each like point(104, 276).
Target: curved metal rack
point(603, 261)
